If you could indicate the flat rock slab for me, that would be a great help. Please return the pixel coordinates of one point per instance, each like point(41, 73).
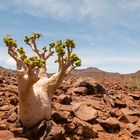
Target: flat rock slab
point(110, 125)
point(84, 112)
point(6, 135)
point(134, 129)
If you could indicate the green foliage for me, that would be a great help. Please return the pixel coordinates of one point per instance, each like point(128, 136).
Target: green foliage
point(52, 44)
point(32, 36)
point(10, 42)
point(44, 49)
point(34, 61)
point(75, 59)
point(62, 49)
point(69, 43)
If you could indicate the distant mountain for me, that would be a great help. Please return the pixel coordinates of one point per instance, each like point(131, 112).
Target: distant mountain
point(5, 69)
point(135, 75)
point(94, 72)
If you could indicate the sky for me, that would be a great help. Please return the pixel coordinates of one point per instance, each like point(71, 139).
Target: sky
point(106, 32)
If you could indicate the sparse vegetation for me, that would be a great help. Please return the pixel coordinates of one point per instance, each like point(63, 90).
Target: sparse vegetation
point(135, 83)
point(35, 88)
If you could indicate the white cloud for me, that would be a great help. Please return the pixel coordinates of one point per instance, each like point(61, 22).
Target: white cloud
point(63, 9)
point(45, 8)
point(94, 10)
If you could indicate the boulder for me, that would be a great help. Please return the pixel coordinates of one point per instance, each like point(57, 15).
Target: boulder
point(14, 100)
point(128, 118)
point(12, 118)
point(78, 91)
point(59, 116)
point(56, 133)
point(87, 132)
point(5, 108)
point(134, 129)
point(110, 125)
point(6, 135)
point(64, 99)
point(93, 86)
point(120, 104)
point(84, 129)
point(84, 111)
point(115, 112)
point(69, 128)
point(66, 108)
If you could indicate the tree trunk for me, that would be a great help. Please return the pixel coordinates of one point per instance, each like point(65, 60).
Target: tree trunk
point(35, 99)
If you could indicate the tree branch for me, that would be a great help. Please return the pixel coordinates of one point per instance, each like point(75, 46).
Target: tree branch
point(50, 53)
point(32, 75)
point(13, 54)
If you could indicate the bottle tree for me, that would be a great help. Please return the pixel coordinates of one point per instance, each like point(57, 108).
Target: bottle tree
point(34, 86)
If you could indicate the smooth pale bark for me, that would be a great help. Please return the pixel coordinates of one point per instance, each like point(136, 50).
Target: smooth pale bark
point(35, 98)
point(35, 88)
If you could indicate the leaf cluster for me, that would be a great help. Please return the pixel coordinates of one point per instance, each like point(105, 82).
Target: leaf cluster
point(33, 36)
point(64, 53)
point(63, 50)
point(10, 42)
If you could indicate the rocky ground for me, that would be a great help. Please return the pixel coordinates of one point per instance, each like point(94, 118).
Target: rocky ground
point(84, 108)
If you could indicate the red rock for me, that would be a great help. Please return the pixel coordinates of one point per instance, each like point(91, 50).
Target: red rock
point(119, 103)
point(138, 123)
point(127, 111)
point(56, 133)
point(97, 127)
point(87, 132)
point(1, 102)
point(65, 99)
point(128, 134)
point(69, 128)
point(84, 112)
point(115, 112)
point(3, 127)
point(17, 131)
point(135, 96)
point(18, 138)
point(128, 118)
point(91, 84)
point(12, 88)
point(66, 108)
point(12, 118)
point(84, 129)
point(1, 81)
point(14, 100)
point(56, 105)
point(135, 130)
point(79, 122)
point(59, 116)
point(108, 101)
point(6, 135)
point(78, 90)
point(111, 125)
point(5, 108)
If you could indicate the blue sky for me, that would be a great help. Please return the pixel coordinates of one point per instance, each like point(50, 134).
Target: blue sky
point(106, 32)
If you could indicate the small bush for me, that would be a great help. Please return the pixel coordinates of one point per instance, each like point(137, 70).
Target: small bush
point(135, 83)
